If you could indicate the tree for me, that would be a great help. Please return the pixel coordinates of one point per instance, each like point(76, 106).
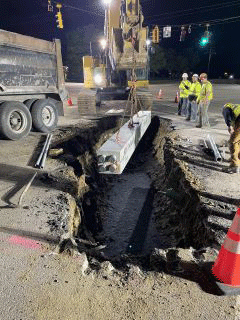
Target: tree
point(173, 62)
point(157, 59)
point(78, 45)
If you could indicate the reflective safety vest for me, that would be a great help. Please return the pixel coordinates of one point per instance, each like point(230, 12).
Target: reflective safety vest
point(195, 88)
point(206, 91)
point(184, 92)
point(235, 109)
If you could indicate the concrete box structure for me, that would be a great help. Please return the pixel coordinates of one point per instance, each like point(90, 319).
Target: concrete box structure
point(116, 152)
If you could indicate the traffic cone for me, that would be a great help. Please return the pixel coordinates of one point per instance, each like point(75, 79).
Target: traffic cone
point(69, 102)
point(226, 268)
point(160, 94)
point(177, 97)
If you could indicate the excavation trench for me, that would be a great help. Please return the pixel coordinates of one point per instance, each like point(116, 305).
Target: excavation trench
point(154, 203)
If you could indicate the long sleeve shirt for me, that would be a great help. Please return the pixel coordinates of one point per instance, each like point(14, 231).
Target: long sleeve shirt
point(206, 92)
point(231, 112)
point(228, 116)
point(195, 88)
point(184, 88)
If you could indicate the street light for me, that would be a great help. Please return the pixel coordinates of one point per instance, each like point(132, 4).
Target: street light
point(107, 2)
point(103, 43)
point(148, 42)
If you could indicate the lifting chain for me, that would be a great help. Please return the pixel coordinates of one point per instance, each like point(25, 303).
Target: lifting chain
point(132, 97)
point(133, 89)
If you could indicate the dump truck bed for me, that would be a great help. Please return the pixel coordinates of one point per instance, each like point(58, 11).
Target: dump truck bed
point(27, 64)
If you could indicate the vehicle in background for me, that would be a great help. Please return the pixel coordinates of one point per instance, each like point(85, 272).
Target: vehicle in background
point(32, 86)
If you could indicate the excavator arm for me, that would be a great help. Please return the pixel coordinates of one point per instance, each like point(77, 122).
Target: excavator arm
point(127, 36)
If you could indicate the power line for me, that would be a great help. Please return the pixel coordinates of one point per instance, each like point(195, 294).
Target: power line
point(82, 10)
point(211, 22)
point(193, 24)
point(189, 11)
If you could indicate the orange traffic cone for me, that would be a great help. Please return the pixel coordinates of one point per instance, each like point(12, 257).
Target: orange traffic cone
point(69, 102)
point(177, 97)
point(160, 94)
point(227, 265)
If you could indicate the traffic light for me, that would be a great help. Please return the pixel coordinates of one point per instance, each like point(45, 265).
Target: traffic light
point(205, 39)
point(155, 35)
point(59, 16)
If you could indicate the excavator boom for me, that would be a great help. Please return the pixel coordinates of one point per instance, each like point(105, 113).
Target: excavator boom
point(126, 35)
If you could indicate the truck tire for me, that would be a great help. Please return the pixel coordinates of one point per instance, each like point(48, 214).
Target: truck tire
point(44, 115)
point(15, 120)
point(28, 103)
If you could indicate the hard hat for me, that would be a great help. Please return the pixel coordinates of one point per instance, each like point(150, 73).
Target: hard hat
point(185, 75)
point(195, 75)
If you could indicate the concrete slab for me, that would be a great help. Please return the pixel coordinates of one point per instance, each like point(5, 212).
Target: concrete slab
point(115, 153)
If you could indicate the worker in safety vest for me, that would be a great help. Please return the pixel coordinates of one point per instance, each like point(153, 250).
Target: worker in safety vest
point(204, 99)
point(194, 93)
point(184, 92)
point(231, 114)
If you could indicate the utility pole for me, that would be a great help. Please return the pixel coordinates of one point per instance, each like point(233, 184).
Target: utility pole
point(91, 49)
point(209, 59)
point(211, 52)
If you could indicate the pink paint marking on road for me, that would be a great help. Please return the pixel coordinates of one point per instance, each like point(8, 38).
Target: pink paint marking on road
point(24, 242)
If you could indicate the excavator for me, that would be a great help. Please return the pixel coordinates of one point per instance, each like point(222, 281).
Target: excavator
point(124, 61)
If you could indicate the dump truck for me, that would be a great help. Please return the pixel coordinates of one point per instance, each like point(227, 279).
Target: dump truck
point(32, 87)
point(111, 76)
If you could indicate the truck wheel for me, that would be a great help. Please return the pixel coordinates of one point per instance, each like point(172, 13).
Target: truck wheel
point(44, 115)
point(15, 120)
point(28, 103)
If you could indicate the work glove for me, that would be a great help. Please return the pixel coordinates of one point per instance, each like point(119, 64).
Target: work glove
point(187, 87)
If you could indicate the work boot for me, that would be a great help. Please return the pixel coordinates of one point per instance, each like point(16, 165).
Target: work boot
point(187, 119)
point(198, 126)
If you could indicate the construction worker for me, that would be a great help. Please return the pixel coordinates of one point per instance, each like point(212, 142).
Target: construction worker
point(184, 92)
point(231, 114)
point(194, 93)
point(203, 101)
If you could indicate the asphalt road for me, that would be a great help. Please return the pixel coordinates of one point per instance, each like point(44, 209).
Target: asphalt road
point(20, 152)
point(223, 93)
point(165, 107)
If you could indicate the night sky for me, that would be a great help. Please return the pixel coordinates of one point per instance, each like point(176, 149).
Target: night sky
point(30, 17)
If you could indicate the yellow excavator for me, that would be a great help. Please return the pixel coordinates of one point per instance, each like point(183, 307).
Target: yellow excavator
point(124, 59)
